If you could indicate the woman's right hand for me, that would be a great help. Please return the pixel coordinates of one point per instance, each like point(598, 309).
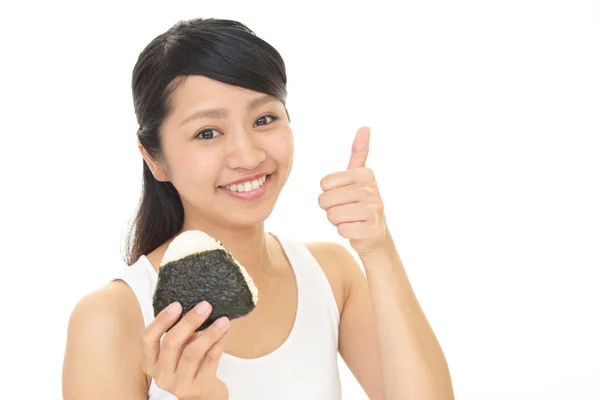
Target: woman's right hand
point(186, 362)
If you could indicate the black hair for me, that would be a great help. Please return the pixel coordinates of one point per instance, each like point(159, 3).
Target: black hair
point(220, 49)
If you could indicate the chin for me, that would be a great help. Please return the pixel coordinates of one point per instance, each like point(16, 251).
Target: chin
point(246, 218)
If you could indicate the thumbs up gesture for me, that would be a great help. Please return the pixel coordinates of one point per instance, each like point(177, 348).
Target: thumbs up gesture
point(352, 201)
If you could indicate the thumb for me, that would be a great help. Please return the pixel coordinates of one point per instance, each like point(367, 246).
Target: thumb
point(360, 148)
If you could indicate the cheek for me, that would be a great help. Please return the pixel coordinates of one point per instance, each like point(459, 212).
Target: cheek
point(282, 149)
point(197, 168)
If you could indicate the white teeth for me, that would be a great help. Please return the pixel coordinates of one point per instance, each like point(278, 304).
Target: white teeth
point(247, 186)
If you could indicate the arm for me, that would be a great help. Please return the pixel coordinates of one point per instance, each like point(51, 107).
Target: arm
point(358, 343)
point(413, 365)
point(412, 362)
point(103, 356)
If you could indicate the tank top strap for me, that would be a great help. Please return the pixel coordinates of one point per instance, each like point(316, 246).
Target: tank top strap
point(141, 278)
point(315, 291)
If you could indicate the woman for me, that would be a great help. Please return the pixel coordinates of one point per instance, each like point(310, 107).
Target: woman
point(217, 147)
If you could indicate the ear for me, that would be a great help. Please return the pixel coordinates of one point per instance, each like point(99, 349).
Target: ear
point(156, 168)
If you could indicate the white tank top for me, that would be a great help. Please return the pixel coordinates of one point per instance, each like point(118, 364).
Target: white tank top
point(304, 367)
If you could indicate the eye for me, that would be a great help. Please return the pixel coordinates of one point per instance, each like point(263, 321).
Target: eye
point(208, 134)
point(263, 118)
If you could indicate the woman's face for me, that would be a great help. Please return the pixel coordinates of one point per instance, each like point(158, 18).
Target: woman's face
point(245, 137)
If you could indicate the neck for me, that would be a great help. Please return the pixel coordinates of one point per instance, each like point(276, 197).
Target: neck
point(248, 245)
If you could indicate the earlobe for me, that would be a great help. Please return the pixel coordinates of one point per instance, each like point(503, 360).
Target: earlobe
point(155, 167)
point(158, 171)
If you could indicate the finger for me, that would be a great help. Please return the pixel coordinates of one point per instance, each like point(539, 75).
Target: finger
point(360, 148)
point(346, 195)
point(353, 230)
point(195, 352)
point(210, 362)
point(355, 212)
point(175, 339)
point(154, 331)
point(363, 230)
point(344, 178)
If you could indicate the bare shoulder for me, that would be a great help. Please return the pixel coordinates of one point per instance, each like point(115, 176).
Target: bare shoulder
point(339, 265)
point(103, 355)
point(113, 308)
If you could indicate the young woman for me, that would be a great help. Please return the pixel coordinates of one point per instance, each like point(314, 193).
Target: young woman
point(217, 149)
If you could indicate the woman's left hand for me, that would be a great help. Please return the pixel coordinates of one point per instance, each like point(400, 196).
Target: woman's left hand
point(353, 203)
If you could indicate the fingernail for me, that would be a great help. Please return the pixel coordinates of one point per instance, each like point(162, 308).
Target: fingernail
point(173, 308)
point(202, 308)
point(222, 322)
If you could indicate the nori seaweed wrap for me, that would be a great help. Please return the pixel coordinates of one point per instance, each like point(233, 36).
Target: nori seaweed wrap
point(196, 267)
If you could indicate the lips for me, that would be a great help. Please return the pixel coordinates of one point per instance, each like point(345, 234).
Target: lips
point(249, 191)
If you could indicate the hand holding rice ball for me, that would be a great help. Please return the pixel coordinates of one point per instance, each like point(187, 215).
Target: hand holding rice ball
point(185, 364)
point(200, 287)
point(196, 268)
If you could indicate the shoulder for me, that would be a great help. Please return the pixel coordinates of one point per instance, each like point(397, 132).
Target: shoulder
point(110, 309)
point(339, 265)
point(103, 348)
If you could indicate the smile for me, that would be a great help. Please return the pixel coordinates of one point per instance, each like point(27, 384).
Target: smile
point(248, 190)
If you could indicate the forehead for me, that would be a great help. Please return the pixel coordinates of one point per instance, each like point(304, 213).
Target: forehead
point(196, 91)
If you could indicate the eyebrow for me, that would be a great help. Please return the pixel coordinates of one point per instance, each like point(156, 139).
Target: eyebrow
point(222, 112)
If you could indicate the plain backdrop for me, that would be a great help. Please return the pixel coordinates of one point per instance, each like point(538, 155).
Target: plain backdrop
point(485, 142)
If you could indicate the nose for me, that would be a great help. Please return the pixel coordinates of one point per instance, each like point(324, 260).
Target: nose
point(243, 152)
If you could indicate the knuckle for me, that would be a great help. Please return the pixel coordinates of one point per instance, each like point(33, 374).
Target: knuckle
point(369, 189)
point(323, 183)
point(366, 174)
point(169, 343)
point(214, 334)
point(331, 217)
point(196, 350)
point(190, 355)
point(147, 369)
point(203, 391)
point(164, 381)
point(214, 353)
point(322, 200)
point(375, 206)
point(146, 338)
point(189, 321)
point(210, 356)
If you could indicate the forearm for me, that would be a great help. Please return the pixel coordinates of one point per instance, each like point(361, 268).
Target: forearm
point(414, 366)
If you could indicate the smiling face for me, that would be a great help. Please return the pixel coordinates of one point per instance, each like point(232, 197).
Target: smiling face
point(218, 134)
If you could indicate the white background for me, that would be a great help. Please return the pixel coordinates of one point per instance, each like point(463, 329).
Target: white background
point(485, 124)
